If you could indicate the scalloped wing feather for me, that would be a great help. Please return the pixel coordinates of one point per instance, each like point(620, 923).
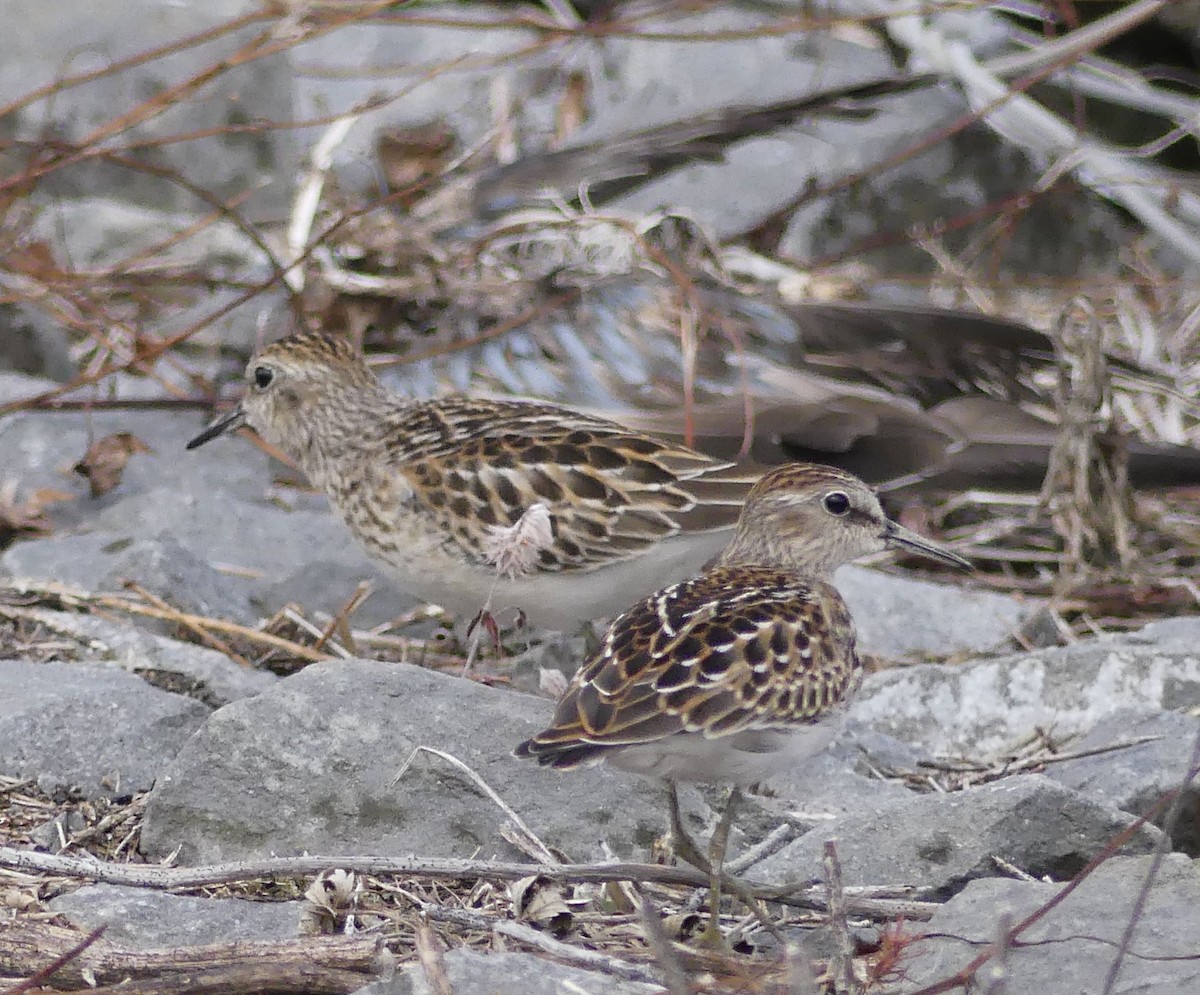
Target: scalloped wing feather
point(735, 650)
point(612, 492)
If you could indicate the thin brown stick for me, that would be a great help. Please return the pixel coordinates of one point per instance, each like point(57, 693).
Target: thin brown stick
point(165, 878)
point(964, 976)
point(1160, 853)
point(340, 623)
point(329, 965)
point(42, 975)
point(214, 641)
point(429, 954)
point(220, 625)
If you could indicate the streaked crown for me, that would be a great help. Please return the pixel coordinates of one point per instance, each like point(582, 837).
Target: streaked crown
point(316, 349)
point(302, 380)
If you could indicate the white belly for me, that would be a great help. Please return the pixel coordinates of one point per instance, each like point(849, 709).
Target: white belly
point(743, 759)
point(562, 601)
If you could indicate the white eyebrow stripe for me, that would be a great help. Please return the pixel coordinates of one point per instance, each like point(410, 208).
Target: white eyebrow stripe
point(792, 499)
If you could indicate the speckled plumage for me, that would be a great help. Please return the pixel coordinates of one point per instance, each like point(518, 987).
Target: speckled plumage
point(421, 483)
point(744, 669)
point(738, 654)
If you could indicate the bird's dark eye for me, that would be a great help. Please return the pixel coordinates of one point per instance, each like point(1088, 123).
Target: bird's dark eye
point(263, 375)
point(836, 503)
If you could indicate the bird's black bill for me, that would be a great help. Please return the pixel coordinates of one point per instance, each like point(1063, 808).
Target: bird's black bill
point(898, 535)
point(222, 424)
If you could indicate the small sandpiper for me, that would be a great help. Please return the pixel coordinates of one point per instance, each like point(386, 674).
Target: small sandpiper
point(743, 671)
point(423, 485)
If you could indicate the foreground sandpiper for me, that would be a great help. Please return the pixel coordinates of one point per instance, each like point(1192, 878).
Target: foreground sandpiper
point(423, 485)
point(743, 671)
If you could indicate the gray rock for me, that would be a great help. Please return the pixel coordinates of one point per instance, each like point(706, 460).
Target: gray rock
point(308, 766)
point(57, 832)
point(33, 343)
point(909, 619)
point(982, 165)
point(80, 561)
point(327, 579)
point(176, 516)
point(941, 841)
point(165, 567)
point(184, 668)
point(1134, 778)
point(813, 796)
point(844, 779)
point(872, 753)
point(648, 84)
point(355, 56)
point(39, 449)
point(1071, 950)
point(15, 386)
point(558, 651)
point(38, 48)
point(265, 542)
point(97, 729)
point(474, 973)
point(985, 707)
point(142, 919)
point(1174, 634)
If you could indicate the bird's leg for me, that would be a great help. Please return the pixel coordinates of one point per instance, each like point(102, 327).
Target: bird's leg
point(685, 848)
point(716, 858)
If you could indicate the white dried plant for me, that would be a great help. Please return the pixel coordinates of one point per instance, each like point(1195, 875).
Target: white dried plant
point(330, 903)
point(552, 683)
point(513, 549)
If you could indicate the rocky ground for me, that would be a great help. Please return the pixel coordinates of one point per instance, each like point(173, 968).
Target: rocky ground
point(967, 787)
point(189, 675)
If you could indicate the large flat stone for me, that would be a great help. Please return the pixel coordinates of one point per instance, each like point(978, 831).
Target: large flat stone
point(473, 973)
point(308, 766)
point(185, 668)
point(904, 618)
point(985, 707)
point(40, 448)
point(1070, 951)
point(98, 729)
point(143, 919)
point(941, 841)
point(1135, 778)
